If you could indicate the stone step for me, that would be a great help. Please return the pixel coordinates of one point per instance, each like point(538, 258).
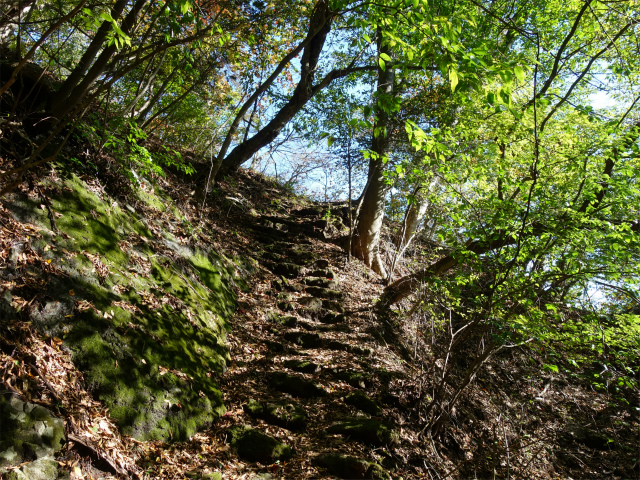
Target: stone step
point(285, 414)
point(348, 467)
point(367, 431)
point(254, 446)
point(296, 386)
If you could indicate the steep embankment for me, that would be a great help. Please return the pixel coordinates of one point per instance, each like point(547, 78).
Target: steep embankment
point(142, 310)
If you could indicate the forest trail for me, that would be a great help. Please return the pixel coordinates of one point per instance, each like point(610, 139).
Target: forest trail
point(314, 385)
point(307, 368)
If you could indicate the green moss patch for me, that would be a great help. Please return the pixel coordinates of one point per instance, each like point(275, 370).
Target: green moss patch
point(144, 314)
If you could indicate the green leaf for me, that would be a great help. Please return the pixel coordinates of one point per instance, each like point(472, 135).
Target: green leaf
point(453, 78)
point(385, 57)
point(519, 73)
point(381, 63)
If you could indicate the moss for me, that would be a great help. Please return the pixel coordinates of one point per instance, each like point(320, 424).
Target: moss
point(256, 446)
point(152, 368)
point(367, 431)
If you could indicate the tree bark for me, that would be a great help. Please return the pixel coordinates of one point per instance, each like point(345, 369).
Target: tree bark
point(319, 27)
point(63, 104)
point(367, 241)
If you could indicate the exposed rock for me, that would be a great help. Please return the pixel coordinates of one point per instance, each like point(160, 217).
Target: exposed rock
point(323, 272)
point(284, 320)
point(286, 306)
point(287, 270)
point(255, 446)
point(353, 378)
point(319, 282)
point(333, 317)
point(312, 303)
point(333, 305)
point(303, 366)
point(275, 347)
point(29, 433)
point(366, 431)
point(296, 386)
point(362, 402)
point(289, 415)
point(345, 466)
point(320, 292)
point(589, 438)
point(304, 339)
point(321, 264)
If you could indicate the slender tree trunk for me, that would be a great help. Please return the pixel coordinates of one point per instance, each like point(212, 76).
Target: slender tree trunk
point(63, 104)
point(311, 47)
point(88, 56)
point(366, 245)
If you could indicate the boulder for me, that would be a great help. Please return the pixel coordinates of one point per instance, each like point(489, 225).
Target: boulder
point(254, 446)
point(323, 272)
point(296, 386)
point(303, 366)
point(345, 466)
point(29, 433)
point(288, 415)
point(327, 293)
point(313, 304)
point(362, 402)
point(366, 431)
point(319, 282)
point(333, 305)
point(304, 339)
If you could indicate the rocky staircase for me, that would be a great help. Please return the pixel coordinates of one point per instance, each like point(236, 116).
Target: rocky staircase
point(315, 403)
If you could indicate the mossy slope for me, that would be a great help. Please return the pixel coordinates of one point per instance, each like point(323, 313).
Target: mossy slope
point(143, 313)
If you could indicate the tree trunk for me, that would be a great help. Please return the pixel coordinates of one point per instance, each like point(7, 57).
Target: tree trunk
point(366, 244)
point(63, 104)
point(319, 27)
point(88, 56)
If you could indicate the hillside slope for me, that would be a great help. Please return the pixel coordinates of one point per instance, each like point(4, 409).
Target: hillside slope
point(140, 318)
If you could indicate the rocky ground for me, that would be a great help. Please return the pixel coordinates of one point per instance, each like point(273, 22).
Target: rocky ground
point(314, 386)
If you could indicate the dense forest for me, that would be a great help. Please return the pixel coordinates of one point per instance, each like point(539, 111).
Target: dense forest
point(478, 165)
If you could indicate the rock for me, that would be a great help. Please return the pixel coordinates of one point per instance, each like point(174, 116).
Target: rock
point(286, 306)
point(49, 318)
point(45, 468)
point(299, 257)
point(589, 438)
point(303, 366)
point(321, 264)
point(307, 212)
point(275, 347)
point(285, 297)
point(323, 272)
point(284, 320)
point(319, 282)
point(366, 431)
point(296, 386)
point(312, 303)
point(287, 270)
point(320, 292)
point(345, 466)
point(353, 378)
point(255, 446)
point(362, 402)
point(288, 415)
point(30, 433)
point(333, 305)
point(306, 325)
point(304, 339)
point(333, 317)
